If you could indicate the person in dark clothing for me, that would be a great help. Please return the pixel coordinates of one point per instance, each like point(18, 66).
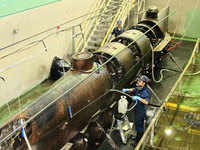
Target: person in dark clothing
point(118, 29)
point(142, 96)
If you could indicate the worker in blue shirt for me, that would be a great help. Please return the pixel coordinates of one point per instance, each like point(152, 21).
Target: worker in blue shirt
point(118, 29)
point(142, 96)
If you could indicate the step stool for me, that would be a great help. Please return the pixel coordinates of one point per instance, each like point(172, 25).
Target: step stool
point(120, 119)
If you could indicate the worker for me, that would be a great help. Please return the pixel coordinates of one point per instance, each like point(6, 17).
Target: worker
point(141, 96)
point(118, 29)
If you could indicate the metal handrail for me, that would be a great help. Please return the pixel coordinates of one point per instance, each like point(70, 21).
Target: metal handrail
point(98, 6)
point(122, 13)
point(111, 26)
point(96, 22)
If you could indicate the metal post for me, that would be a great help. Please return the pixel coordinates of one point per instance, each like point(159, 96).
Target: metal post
point(196, 52)
point(45, 47)
point(140, 9)
point(83, 37)
point(25, 137)
point(119, 125)
point(152, 135)
point(73, 36)
point(82, 33)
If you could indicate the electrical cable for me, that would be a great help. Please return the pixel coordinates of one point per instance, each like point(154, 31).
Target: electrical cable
point(161, 71)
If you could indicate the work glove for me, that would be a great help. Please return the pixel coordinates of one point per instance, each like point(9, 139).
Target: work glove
point(125, 90)
point(136, 98)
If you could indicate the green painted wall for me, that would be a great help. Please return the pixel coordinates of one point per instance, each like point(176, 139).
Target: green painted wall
point(192, 23)
point(8, 7)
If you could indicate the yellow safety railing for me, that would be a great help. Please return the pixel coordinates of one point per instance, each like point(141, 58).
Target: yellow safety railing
point(98, 19)
point(122, 14)
point(90, 23)
point(95, 7)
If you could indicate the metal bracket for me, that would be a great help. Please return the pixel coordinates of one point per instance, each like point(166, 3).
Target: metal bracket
point(44, 45)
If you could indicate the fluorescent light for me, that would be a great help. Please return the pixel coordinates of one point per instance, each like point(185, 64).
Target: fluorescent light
point(168, 131)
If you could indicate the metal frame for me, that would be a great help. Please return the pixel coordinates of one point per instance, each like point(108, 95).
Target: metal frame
point(140, 9)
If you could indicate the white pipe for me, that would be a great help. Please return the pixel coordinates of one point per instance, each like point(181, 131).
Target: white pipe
point(25, 137)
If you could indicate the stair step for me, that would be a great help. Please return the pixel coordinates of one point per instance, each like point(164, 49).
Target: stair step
point(97, 32)
point(100, 36)
point(97, 37)
point(105, 16)
point(97, 41)
point(112, 7)
point(94, 43)
point(91, 48)
point(108, 18)
point(115, 2)
point(102, 27)
point(105, 21)
point(109, 11)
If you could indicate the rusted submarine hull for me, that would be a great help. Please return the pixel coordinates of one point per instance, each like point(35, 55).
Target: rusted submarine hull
point(85, 99)
point(79, 94)
point(78, 98)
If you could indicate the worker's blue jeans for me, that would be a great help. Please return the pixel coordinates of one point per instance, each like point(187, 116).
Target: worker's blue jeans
point(139, 125)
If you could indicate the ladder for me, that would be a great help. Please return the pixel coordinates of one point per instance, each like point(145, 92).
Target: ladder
point(101, 27)
point(120, 119)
